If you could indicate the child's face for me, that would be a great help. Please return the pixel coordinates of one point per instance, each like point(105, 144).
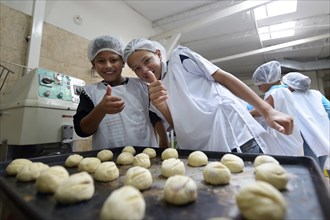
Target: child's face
point(109, 66)
point(142, 61)
point(264, 87)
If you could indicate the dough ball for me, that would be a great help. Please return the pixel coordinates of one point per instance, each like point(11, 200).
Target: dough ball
point(51, 178)
point(264, 159)
point(272, 173)
point(15, 165)
point(73, 160)
point(139, 177)
point(233, 162)
point(180, 190)
point(197, 159)
point(124, 203)
point(31, 172)
point(142, 160)
point(171, 167)
point(150, 151)
point(78, 187)
point(125, 158)
point(105, 155)
point(89, 164)
point(216, 173)
point(129, 149)
point(170, 153)
point(260, 200)
point(106, 171)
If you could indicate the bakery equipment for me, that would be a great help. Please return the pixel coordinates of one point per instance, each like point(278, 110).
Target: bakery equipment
point(307, 194)
point(36, 114)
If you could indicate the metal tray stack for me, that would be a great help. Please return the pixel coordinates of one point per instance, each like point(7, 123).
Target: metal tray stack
point(307, 194)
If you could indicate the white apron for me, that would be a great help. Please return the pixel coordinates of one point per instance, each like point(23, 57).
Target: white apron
point(206, 115)
point(132, 125)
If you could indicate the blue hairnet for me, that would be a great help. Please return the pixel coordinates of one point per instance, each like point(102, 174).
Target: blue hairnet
point(297, 81)
point(104, 43)
point(143, 44)
point(267, 73)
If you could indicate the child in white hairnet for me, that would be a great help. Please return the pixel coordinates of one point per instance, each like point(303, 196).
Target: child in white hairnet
point(268, 79)
point(116, 110)
point(200, 100)
point(313, 111)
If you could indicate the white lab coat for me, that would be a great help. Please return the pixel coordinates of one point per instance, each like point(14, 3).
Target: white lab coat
point(313, 121)
point(292, 144)
point(132, 125)
point(206, 115)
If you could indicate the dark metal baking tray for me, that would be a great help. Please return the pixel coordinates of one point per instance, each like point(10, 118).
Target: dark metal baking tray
point(307, 193)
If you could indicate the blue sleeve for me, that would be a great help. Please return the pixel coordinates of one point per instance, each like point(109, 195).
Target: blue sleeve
point(326, 104)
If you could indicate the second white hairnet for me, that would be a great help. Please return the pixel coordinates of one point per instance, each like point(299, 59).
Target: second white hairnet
point(143, 44)
point(297, 81)
point(269, 72)
point(104, 43)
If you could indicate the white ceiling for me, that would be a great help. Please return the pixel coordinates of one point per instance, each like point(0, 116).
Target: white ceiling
point(225, 32)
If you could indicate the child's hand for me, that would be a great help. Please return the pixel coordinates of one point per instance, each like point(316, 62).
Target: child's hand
point(111, 104)
point(157, 91)
point(280, 121)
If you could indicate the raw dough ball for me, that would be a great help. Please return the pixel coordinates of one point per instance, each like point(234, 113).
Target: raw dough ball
point(106, 171)
point(142, 160)
point(261, 200)
point(17, 164)
point(89, 164)
point(129, 149)
point(233, 162)
point(150, 151)
point(264, 159)
point(73, 160)
point(197, 159)
point(170, 153)
point(78, 187)
point(272, 173)
point(31, 172)
point(180, 190)
point(105, 155)
point(51, 178)
point(216, 173)
point(139, 177)
point(124, 203)
point(172, 166)
point(125, 158)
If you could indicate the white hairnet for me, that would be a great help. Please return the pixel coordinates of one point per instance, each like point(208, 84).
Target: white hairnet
point(297, 81)
point(267, 73)
point(143, 44)
point(104, 43)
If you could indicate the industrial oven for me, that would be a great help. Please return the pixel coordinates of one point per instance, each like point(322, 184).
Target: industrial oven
point(36, 114)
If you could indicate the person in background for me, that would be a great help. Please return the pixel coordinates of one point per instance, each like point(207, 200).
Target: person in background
point(268, 79)
point(116, 110)
point(199, 100)
point(313, 116)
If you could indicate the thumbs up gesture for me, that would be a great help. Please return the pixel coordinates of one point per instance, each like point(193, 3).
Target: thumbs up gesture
point(157, 91)
point(111, 104)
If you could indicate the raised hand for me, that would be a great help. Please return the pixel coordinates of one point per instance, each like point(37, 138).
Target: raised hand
point(157, 91)
point(111, 104)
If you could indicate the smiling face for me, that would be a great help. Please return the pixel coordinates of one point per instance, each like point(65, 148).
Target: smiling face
point(109, 66)
point(142, 61)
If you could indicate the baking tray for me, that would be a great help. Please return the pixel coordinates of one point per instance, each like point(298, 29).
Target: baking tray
point(307, 193)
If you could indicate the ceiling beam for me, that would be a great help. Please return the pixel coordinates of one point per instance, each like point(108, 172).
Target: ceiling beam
point(271, 48)
point(240, 7)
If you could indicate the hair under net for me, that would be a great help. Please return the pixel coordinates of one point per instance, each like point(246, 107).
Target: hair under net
point(104, 43)
point(267, 73)
point(143, 44)
point(297, 81)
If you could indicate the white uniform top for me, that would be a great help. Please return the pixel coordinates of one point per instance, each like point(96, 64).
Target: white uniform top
point(206, 115)
point(313, 121)
point(292, 144)
point(132, 125)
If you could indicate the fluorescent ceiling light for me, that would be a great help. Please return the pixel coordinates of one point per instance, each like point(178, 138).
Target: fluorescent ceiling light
point(275, 8)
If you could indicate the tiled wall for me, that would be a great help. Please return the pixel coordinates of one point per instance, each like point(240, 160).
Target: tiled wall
point(61, 51)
